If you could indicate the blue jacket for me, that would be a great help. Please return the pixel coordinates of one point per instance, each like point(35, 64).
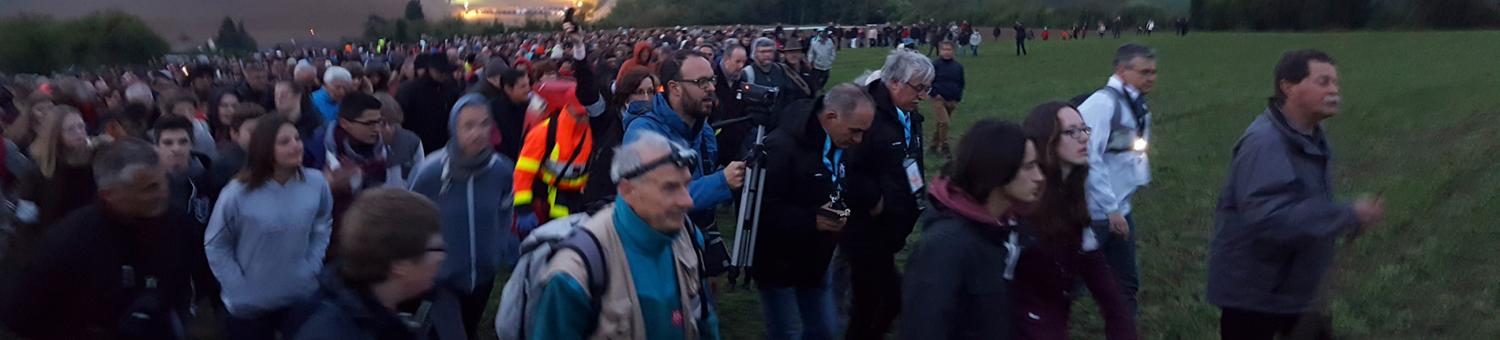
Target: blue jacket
point(708, 189)
point(948, 79)
point(477, 215)
point(1277, 220)
point(327, 108)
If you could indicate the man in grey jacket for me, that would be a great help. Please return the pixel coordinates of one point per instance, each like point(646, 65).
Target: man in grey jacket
point(822, 54)
point(1277, 221)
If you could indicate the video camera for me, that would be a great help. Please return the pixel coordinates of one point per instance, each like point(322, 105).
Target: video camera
point(757, 95)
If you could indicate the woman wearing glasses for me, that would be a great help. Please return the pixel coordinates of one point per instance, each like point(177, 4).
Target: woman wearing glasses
point(1060, 248)
point(269, 231)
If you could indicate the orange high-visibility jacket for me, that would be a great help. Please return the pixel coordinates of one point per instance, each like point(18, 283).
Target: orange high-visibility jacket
point(560, 175)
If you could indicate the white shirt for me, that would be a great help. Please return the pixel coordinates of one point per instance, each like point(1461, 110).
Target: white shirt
point(1113, 177)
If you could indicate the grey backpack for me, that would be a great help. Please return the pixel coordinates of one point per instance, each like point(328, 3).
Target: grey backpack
point(522, 292)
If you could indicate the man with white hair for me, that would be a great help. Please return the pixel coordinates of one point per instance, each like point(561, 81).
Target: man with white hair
point(305, 75)
point(656, 289)
point(337, 82)
point(885, 182)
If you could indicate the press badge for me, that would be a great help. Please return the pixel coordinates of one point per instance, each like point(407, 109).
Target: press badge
point(913, 175)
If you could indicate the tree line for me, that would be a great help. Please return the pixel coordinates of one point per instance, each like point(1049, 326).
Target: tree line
point(1284, 15)
point(39, 44)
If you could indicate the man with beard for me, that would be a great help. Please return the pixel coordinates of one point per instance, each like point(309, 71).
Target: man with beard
point(680, 113)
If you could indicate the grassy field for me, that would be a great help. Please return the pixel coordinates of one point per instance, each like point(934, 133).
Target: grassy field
point(1418, 127)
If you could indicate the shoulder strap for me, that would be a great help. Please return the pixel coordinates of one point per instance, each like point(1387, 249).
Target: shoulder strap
point(591, 251)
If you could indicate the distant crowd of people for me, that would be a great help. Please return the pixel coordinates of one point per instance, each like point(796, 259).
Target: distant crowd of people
point(394, 190)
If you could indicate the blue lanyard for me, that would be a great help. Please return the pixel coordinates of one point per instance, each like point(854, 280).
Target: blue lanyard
point(833, 162)
point(905, 124)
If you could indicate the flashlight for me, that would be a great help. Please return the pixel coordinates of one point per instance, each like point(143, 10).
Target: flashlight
point(1139, 145)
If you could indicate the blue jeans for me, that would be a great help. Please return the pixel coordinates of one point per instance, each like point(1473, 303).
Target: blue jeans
point(1120, 253)
point(785, 307)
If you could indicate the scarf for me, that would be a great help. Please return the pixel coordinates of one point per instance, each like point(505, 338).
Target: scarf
point(372, 161)
point(460, 167)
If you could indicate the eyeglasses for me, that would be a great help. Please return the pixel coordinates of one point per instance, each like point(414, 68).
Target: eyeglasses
point(704, 82)
point(437, 249)
point(919, 88)
point(375, 122)
point(680, 157)
point(1078, 133)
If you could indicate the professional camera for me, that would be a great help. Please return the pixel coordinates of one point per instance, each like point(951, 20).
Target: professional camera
point(757, 95)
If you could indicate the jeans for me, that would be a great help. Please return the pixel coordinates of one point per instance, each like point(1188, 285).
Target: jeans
point(260, 327)
point(799, 312)
point(1021, 47)
point(974, 49)
point(1237, 324)
point(1120, 252)
point(838, 269)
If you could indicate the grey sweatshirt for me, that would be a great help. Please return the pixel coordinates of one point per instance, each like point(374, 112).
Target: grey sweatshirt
point(266, 245)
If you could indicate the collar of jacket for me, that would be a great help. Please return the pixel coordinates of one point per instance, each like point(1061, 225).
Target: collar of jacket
point(802, 116)
point(359, 303)
point(882, 98)
point(662, 112)
point(1313, 144)
point(638, 236)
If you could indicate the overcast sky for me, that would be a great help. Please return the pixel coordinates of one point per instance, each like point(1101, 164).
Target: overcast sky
point(269, 21)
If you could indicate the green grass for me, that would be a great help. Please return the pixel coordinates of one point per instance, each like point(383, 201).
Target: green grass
point(1418, 127)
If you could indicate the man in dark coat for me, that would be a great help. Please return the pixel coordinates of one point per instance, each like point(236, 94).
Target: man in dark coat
point(117, 269)
point(427, 100)
point(804, 211)
point(885, 180)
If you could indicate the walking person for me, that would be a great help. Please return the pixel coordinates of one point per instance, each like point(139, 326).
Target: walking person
point(959, 274)
point(805, 211)
point(383, 280)
point(471, 184)
point(1277, 224)
point(1020, 39)
point(1119, 116)
point(947, 92)
point(974, 39)
point(268, 234)
point(1061, 249)
point(885, 183)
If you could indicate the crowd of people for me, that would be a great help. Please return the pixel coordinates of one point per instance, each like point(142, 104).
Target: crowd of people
point(389, 191)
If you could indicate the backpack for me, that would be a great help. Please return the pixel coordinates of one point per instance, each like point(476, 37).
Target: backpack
point(521, 293)
point(1121, 101)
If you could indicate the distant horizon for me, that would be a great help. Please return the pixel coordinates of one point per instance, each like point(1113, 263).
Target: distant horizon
point(270, 22)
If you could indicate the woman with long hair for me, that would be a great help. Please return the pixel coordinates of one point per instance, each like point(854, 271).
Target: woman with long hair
point(63, 154)
point(958, 276)
point(633, 97)
point(220, 112)
point(1060, 247)
point(269, 232)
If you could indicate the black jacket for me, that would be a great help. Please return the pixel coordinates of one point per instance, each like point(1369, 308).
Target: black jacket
point(955, 286)
point(338, 311)
point(509, 117)
point(731, 137)
point(76, 287)
point(948, 80)
point(427, 104)
point(790, 250)
point(876, 171)
point(191, 198)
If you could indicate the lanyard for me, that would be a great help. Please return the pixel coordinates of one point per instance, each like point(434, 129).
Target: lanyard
point(905, 124)
point(832, 162)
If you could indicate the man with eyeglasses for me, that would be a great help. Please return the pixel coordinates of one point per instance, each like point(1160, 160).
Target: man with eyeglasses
point(767, 70)
point(657, 287)
point(886, 179)
point(351, 152)
point(1121, 124)
point(680, 113)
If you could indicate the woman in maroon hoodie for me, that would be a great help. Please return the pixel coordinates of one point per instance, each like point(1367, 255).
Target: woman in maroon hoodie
point(1060, 248)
